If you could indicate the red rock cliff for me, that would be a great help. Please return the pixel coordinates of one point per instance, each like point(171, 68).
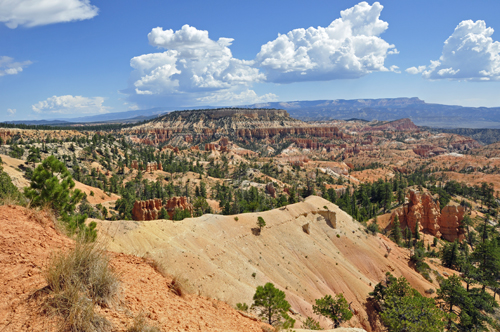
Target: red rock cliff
point(150, 209)
point(423, 209)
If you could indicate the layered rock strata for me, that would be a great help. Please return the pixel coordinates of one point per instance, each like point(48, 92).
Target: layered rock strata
point(150, 209)
point(422, 208)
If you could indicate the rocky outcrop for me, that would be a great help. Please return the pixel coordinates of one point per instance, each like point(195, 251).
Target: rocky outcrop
point(270, 189)
point(237, 124)
point(150, 166)
point(295, 160)
point(451, 223)
point(6, 135)
point(153, 166)
point(305, 143)
point(146, 210)
point(150, 209)
point(425, 151)
point(398, 125)
point(423, 209)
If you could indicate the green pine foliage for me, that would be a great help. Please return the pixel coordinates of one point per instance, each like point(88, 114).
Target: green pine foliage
point(404, 309)
point(396, 231)
point(336, 309)
point(8, 191)
point(52, 186)
point(450, 255)
point(272, 306)
point(311, 324)
point(414, 313)
point(261, 223)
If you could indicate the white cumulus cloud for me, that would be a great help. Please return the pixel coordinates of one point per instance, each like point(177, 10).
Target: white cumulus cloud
point(244, 97)
point(193, 67)
point(32, 13)
point(71, 105)
point(469, 54)
point(415, 70)
point(10, 67)
point(350, 47)
point(11, 111)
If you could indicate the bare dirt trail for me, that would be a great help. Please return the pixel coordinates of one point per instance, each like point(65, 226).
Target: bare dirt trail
point(220, 257)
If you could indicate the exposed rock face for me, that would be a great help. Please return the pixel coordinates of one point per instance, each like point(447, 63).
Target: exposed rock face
point(146, 210)
point(424, 150)
point(423, 209)
point(243, 124)
point(270, 189)
point(305, 143)
point(451, 218)
point(153, 166)
point(6, 135)
point(150, 209)
point(398, 125)
point(330, 217)
point(150, 166)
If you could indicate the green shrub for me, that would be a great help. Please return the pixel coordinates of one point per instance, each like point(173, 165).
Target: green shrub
point(311, 324)
point(242, 306)
point(9, 194)
point(373, 228)
point(260, 222)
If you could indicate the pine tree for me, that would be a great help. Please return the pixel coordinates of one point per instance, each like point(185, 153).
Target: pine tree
point(396, 230)
point(292, 195)
point(336, 309)
point(261, 223)
point(450, 255)
point(409, 236)
point(487, 257)
point(417, 233)
point(271, 303)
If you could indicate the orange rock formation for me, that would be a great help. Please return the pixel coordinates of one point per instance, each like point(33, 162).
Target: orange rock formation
point(423, 209)
point(150, 209)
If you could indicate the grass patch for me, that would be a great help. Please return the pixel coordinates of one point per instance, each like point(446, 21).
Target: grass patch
point(78, 280)
point(140, 325)
point(179, 286)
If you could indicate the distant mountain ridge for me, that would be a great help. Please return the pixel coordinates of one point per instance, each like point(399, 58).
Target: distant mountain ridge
point(388, 109)
point(384, 109)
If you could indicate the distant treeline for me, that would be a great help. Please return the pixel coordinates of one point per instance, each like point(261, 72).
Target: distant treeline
point(79, 127)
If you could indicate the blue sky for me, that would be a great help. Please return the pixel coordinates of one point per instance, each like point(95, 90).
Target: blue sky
point(69, 58)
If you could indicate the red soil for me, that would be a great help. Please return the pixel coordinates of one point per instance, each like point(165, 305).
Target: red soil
point(28, 238)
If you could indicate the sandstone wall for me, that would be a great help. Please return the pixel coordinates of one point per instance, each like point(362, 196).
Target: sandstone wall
point(451, 223)
point(423, 209)
point(155, 136)
point(150, 209)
